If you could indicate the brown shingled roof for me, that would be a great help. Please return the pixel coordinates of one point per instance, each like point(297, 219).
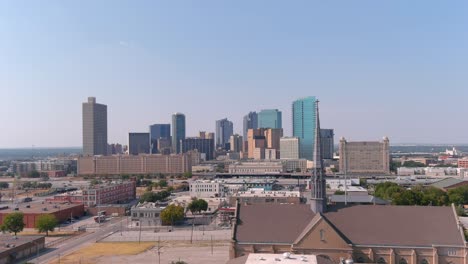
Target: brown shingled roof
point(397, 225)
point(272, 223)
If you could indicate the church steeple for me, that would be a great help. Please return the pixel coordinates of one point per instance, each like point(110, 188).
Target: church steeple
point(319, 196)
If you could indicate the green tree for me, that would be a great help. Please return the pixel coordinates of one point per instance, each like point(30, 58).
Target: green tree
point(14, 222)
point(172, 214)
point(459, 195)
point(339, 192)
point(34, 174)
point(179, 262)
point(197, 205)
point(46, 223)
point(4, 185)
point(412, 164)
point(154, 196)
point(163, 183)
point(188, 174)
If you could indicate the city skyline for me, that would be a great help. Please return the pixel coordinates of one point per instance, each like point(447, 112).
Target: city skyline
point(378, 69)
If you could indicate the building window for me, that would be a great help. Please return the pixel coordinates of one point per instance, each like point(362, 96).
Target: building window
point(424, 261)
point(452, 252)
point(322, 235)
point(403, 261)
point(360, 260)
point(381, 261)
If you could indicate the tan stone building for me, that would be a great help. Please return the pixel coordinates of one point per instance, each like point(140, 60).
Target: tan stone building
point(365, 233)
point(141, 164)
point(365, 157)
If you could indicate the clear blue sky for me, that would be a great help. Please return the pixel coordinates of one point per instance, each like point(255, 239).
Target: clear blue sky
point(395, 68)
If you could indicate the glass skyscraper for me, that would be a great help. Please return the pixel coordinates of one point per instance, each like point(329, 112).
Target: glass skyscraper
point(250, 122)
point(269, 118)
point(303, 116)
point(159, 131)
point(178, 131)
point(224, 131)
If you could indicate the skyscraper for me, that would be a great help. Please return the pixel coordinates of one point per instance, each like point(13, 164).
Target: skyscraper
point(289, 148)
point(94, 128)
point(270, 118)
point(202, 145)
point(138, 143)
point(304, 117)
point(178, 131)
point(250, 122)
point(236, 143)
point(328, 143)
point(159, 131)
point(224, 130)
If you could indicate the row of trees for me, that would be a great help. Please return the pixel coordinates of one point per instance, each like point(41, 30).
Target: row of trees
point(154, 196)
point(36, 185)
point(14, 223)
point(421, 195)
point(174, 213)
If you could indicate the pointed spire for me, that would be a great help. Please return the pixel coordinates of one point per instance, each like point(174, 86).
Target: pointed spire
point(319, 199)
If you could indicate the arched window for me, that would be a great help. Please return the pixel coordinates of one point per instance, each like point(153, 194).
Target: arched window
point(360, 260)
point(381, 261)
point(403, 261)
point(322, 235)
point(424, 261)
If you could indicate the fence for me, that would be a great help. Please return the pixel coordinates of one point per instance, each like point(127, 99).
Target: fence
point(155, 238)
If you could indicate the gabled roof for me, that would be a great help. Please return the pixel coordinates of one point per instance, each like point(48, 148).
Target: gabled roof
point(272, 223)
point(397, 225)
point(383, 225)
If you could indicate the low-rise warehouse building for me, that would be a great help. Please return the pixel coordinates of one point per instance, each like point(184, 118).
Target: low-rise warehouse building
point(14, 248)
point(61, 211)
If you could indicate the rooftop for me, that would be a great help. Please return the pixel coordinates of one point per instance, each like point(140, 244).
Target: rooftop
point(369, 199)
point(278, 258)
point(7, 241)
point(260, 192)
point(39, 208)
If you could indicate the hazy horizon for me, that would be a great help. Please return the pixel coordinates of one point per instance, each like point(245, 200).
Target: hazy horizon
point(379, 69)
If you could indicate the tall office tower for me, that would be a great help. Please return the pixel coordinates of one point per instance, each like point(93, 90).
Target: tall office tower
point(327, 141)
point(138, 143)
point(270, 118)
point(158, 131)
point(236, 142)
point(366, 157)
point(289, 148)
point(273, 136)
point(202, 145)
point(254, 136)
point(318, 202)
point(94, 128)
point(304, 118)
point(178, 131)
point(224, 130)
point(250, 122)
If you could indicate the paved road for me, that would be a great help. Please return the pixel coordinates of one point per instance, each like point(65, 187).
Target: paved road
point(76, 243)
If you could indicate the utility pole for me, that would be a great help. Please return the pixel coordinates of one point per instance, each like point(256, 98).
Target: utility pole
point(139, 235)
point(191, 235)
point(211, 244)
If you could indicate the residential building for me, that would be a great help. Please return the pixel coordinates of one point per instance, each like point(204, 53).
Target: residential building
point(224, 130)
point(113, 193)
point(178, 131)
point(304, 117)
point(138, 143)
point(328, 143)
point(236, 142)
point(94, 128)
point(250, 122)
point(204, 146)
point(206, 189)
point(141, 164)
point(366, 157)
point(248, 168)
point(289, 148)
point(270, 118)
point(159, 131)
point(463, 163)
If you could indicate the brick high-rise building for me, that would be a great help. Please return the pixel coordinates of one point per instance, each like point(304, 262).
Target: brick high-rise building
point(94, 128)
point(365, 157)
